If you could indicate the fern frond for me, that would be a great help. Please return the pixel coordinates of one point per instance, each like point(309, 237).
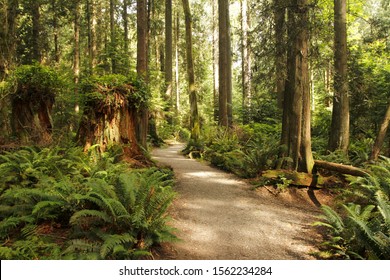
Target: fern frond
point(82, 249)
point(112, 240)
point(78, 217)
point(126, 188)
point(43, 208)
point(11, 223)
point(333, 218)
point(384, 209)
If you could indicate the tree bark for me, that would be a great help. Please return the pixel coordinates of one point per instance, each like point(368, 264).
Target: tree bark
point(76, 53)
point(168, 53)
point(91, 18)
point(36, 30)
point(246, 63)
point(280, 49)
point(142, 64)
point(112, 36)
point(55, 31)
point(339, 130)
point(177, 71)
point(194, 118)
point(114, 122)
point(341, 168)
point(8, 17)
point(126, 33)
point(225, 65)
point(297, 96)
point(381, 135)
point(215, 62)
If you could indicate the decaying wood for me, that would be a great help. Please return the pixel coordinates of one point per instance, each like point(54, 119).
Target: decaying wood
point(341, 168)
point(303, 179)
point(297, 178)
point(110, 121)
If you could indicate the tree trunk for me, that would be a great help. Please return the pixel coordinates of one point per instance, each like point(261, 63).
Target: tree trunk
point(76, 54)
point(114, 122)
point(225, 65)
point(55, 31)
point(31, 105)
point(126, 34)
point(112, 36)
point(168, 54)
point(91, 18)
point(8, 14)
point(381, 135)
point(341, 168)
point(3, 41)
point(280, 64)
point(142, 64)
point(215, 62)
point(280, 49)
point(297, 95)
point(194, 118)
point(36, 30)
point(246, 63)
point(339, 130)
point(177, 70)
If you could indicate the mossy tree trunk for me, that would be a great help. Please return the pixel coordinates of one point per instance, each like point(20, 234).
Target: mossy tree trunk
point(376, 149)
point(142, 65)
point(31, 120)
point(110, 119)
point(32, 99)
point(194, 114)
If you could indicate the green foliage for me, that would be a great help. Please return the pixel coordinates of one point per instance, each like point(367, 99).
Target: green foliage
point(33, 83)
point(59, 203)
point(101, 90)
point(245, 151)
point(362, 229)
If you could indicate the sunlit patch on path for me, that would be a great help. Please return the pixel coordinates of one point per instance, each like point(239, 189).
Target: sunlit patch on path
point(219, 217)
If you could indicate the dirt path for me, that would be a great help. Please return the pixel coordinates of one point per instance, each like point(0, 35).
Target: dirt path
point(220, 217)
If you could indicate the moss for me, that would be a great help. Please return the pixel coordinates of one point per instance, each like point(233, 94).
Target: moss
point(33, 83)
point(103, 91)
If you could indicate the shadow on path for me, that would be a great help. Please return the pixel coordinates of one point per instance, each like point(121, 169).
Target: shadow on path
point(219, 217)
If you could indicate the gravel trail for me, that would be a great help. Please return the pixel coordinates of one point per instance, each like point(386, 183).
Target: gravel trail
point(219, 216)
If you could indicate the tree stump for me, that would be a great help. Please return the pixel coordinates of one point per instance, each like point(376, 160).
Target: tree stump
point(32, 90)
point(111, 106)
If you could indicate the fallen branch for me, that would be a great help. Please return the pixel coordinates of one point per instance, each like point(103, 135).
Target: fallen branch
point(341, 168)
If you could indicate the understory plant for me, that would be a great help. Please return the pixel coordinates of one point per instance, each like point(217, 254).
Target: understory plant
point(360, 228)
point(245, 151)
point(63, 204)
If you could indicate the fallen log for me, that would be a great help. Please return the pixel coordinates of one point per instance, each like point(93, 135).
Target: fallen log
point(297, 178)
point(341, 168)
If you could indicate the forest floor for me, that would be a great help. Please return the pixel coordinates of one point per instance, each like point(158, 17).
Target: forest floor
point(219, 216)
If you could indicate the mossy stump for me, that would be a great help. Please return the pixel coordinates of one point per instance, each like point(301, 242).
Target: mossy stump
point(32, 92)
point(111, 106)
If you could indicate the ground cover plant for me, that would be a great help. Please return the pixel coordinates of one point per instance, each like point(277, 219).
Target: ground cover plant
point(60, 203)
point(359, 226)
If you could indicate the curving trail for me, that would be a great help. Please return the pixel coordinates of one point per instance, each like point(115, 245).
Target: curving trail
point(218, 216)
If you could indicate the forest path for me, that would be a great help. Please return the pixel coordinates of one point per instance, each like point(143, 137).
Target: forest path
point(218, 216)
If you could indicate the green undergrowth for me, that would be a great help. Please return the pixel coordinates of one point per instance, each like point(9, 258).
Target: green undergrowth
point(243, 150)
point(59, 203)
point(359, 226)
